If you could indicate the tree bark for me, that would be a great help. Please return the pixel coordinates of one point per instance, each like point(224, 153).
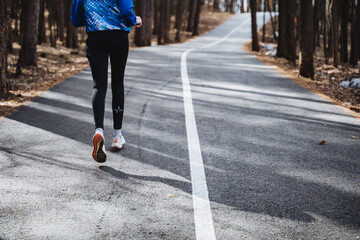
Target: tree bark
point(164, 23)
point(255, 39)
point(345, 7)
point(242, 9)
point(42, 29)
point(30, 16)
point(179, 18)
point(156, 16)
point(335, 32)
point(281, 49)
point(144, 8)
point(216, 6)
point(306, 30)
point(290, 30)
point(4, 28)
point(71, 32)
point(231, 6)
point(273, 23)
point(316, 23)
point(355, 37)
point(197, 18)
point(192, 7)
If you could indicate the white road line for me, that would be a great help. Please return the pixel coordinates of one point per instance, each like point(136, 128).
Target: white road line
point(202, 211)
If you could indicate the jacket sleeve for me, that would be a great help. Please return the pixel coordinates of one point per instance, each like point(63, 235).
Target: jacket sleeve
point(127, 12)
point(78, 13)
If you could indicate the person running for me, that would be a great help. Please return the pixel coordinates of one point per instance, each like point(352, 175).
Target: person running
point(108, 23)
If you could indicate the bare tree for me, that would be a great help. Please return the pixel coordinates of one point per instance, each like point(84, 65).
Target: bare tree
point(164, 23)
point(281, 49)
point(335, 31)
point(179, 18)
point(242, 9)
point(290, 30)
point(156, 16)
point(143, 35)
point(192, 8)
point(306, 31)
point(30, 10)
point(42, 29)
point(197, 18)
point(344, 30)
point(255, 39)
point(216, 5)
point(4, 28)
point(355, 37)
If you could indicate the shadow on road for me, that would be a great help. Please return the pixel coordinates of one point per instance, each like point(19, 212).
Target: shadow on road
point(233, 179)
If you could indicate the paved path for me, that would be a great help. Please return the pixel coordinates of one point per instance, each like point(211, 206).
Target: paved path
point(265, 177)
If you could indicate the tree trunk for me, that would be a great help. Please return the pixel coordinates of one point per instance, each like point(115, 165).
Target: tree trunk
point(316, 23)
point(355, 37)
point(273, 24)
point(335, 32)
point(51, 22)
point(192, 7)
point(264, 23)
point(167, 21)
point(216, 6)
point(231, 6)
point(60, 20)
point(179, 18)
point(156, 16)
point(4, 28)
point(30, 11)
point(306, 28)
point(281, 49)
point(324, 23)
point(255, 40)
point(42, 29)
point(197, 18)
point(71, 32)
point(144, 8)
point(290, 30)
point(345, 7)
point(164, 23)
point(242, 9)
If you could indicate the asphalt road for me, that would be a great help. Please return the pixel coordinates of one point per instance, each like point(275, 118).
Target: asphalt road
point(265, 173)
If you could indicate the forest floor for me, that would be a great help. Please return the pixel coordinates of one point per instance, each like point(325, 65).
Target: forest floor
point(57, 64)
point(327, 77)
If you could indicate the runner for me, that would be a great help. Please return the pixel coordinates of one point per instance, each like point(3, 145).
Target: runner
point(108, 23)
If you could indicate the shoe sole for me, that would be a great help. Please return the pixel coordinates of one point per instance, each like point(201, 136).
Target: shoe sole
point(118, 146)
point(98, 154)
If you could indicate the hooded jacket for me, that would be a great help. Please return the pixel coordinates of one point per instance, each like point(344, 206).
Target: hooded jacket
point(102, 15)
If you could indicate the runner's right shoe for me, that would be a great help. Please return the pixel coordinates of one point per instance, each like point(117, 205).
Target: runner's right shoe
point(118, 142)
point(98, 153)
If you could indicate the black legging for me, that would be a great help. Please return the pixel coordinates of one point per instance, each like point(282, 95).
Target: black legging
point(101, 45)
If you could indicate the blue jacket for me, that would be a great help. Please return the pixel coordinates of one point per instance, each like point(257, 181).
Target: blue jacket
point(99, 15)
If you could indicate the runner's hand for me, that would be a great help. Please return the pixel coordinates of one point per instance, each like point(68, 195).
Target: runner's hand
point(138, 21)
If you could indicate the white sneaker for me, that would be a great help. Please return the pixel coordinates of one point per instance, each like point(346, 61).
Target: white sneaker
point(118, 142)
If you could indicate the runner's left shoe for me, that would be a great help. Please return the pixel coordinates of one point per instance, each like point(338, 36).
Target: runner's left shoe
point(99, 154)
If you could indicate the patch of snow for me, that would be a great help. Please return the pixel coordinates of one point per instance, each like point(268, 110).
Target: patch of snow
point(354, 83)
